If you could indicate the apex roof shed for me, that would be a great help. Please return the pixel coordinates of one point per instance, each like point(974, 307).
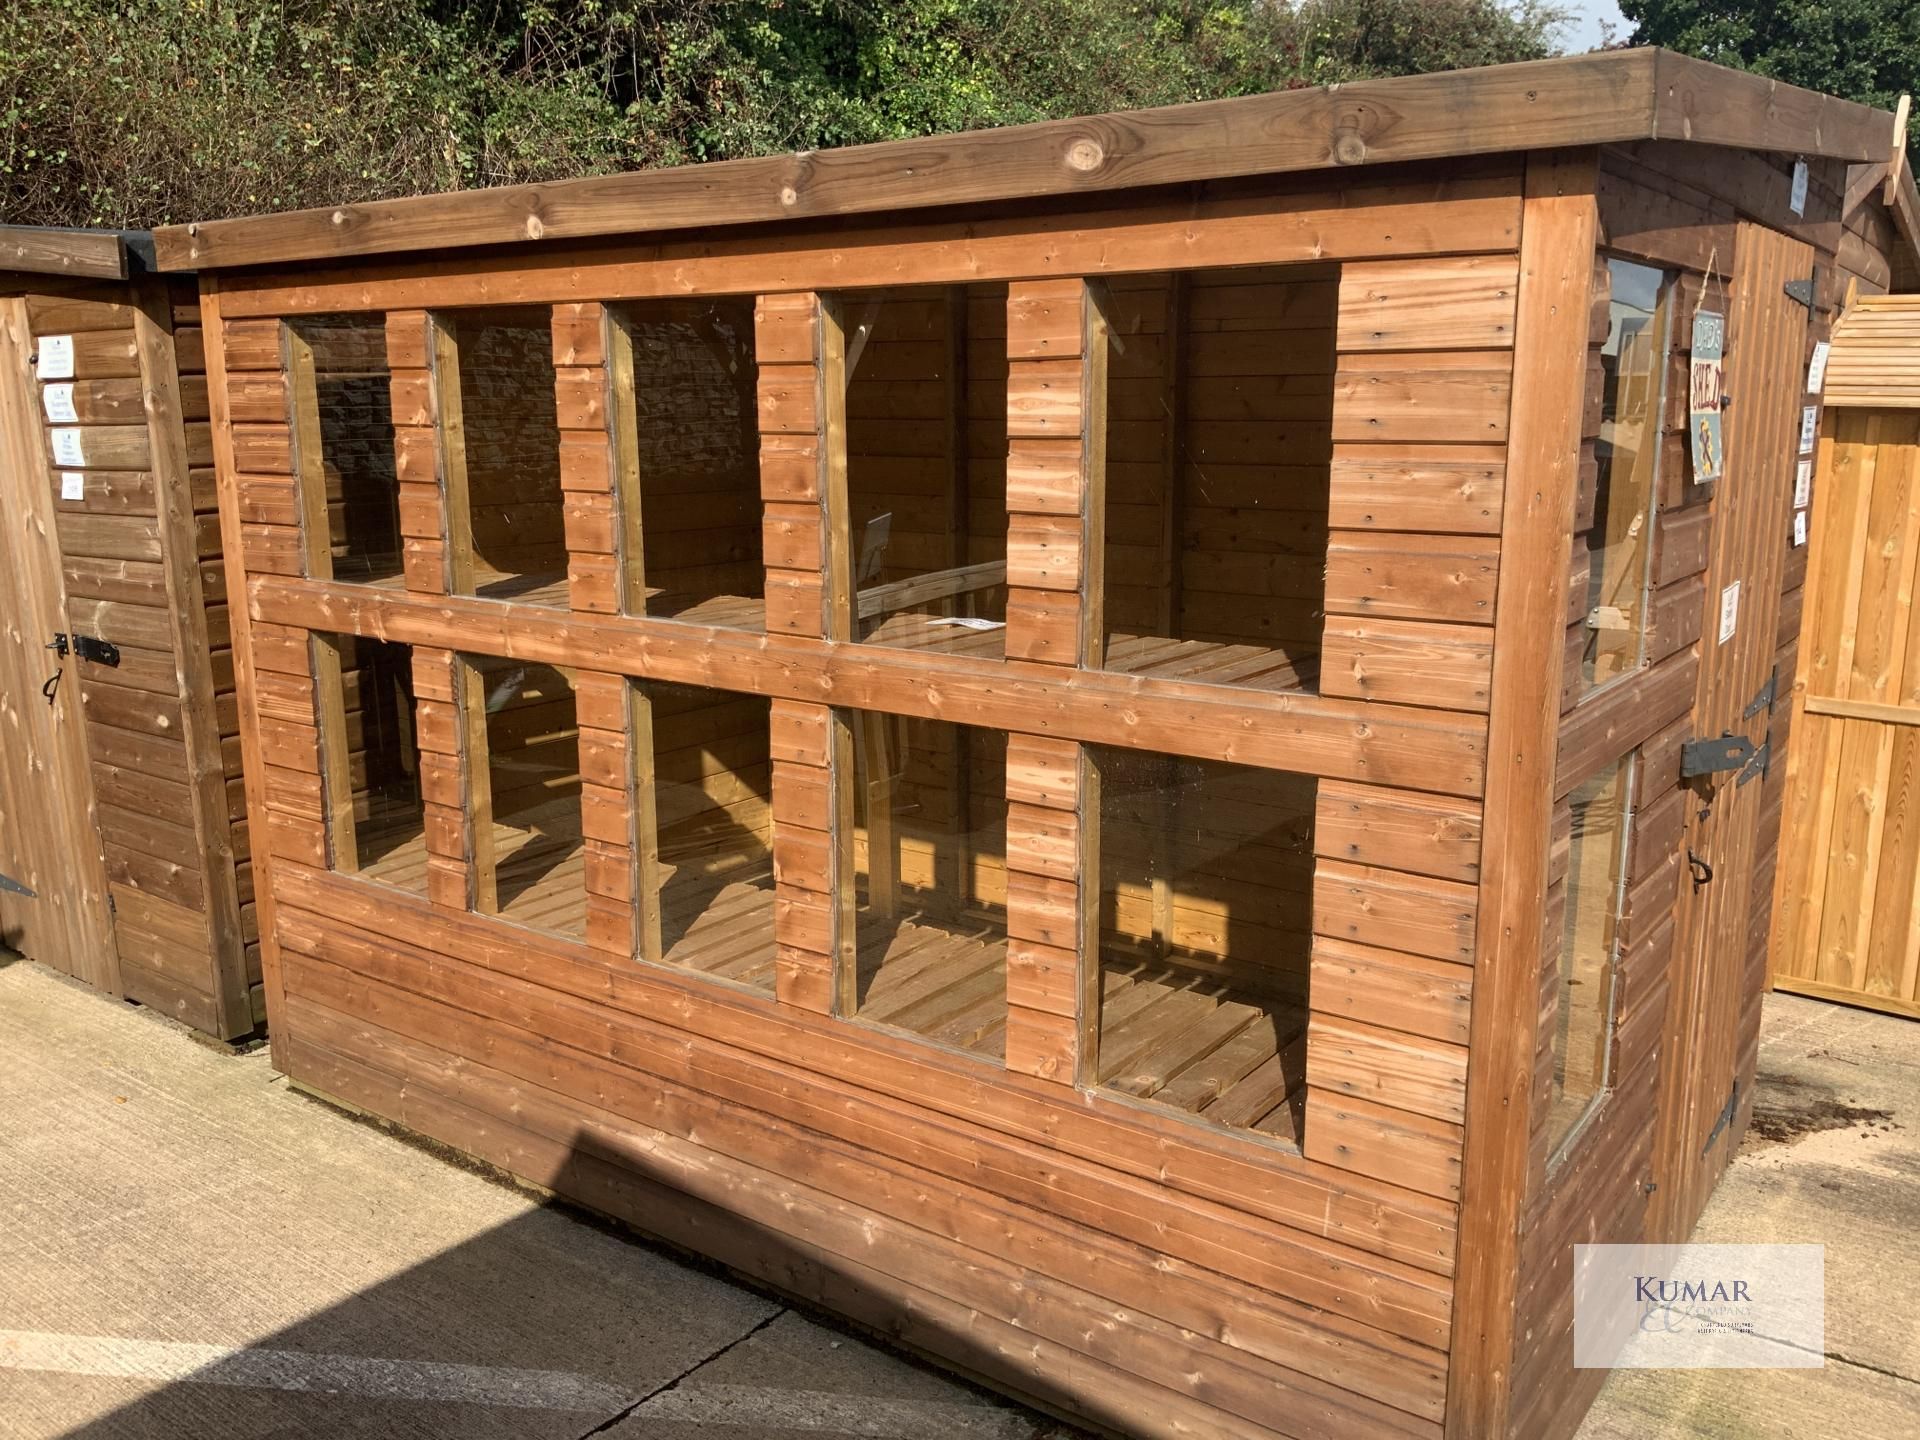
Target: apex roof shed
point(121, 847)
point(1068, 741)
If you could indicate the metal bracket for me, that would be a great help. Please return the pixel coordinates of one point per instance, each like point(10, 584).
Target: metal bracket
point(1725, 1117)
point(13, 887)
point(1711, 757)
point(1801, 290)
point(100, 652)
point(1764, 699)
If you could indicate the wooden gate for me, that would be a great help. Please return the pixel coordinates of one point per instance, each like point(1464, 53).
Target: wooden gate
point(1752, 509)
point(1848, 925)
point(49, 845)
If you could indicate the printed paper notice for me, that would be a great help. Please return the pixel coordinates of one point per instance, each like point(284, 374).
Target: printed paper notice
point(68, 448)
point(1817, 368)
point(1799, 528)
point(1809, 427)
point(58, 400)
point(73, 485)
point(1729, 611)
point(1797, 197)
point(55, 360)
point(1803, 485)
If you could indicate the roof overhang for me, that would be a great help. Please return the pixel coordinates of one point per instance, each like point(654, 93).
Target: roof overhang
point(1606, 98)
point(76, 254)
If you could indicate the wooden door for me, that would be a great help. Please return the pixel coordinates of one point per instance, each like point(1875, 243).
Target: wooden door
point(1752, 513)
point(1848, 924)
point(48, 841)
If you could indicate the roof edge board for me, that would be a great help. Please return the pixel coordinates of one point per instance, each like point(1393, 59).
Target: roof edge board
point(75, 253)
point(1605, 98)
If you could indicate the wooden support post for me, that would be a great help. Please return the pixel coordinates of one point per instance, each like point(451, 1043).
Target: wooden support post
point(336, 751)
point(1056, 502)
point(309, 466)
point(1558, 230)
point(450, 448)
point(416, 449)
point(476, 771)
point(186, 603)
point(620, 845)
point(442, 788)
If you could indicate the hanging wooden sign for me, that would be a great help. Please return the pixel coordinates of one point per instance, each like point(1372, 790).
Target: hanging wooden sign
point(1704, 396)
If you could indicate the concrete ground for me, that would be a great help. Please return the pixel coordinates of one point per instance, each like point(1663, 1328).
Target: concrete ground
point(188, 1248)
point(1833, 1158)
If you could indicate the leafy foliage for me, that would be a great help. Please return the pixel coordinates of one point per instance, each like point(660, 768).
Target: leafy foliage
point(1866, 50)
point(142, 112)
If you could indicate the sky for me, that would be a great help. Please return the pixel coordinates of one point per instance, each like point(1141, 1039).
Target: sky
point(1584, 31)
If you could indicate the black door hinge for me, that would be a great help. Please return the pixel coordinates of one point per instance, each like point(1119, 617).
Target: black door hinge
point(1801, 290)
point(1757, 763)
point(13, 887)
point(1764, 699)
point(1711, 757)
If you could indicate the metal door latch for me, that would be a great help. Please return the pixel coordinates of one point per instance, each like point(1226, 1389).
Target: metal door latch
point(1702, 871)
point(86, 647)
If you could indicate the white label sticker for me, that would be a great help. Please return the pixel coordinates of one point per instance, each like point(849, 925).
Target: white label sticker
point(1809, 428)
point(1797, 198)
point(1817, 368)
point(1729, 611)
point(1803, 485)
point(73, 485)
point(58, 400)
point(67, 447)
point(1799, 528)
point(55, 360)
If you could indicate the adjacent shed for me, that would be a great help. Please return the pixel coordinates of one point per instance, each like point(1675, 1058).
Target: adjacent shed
point(122, 837)
point(1073, 741)
point(1848, 925)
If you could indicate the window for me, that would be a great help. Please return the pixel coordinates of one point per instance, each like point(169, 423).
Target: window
point(926, 466)
point(523, 779)
point(929, 853)
point(1599, 818)
point(688, 460)
point(343, 429)
point(1633, 366)
point(500, 440)
point(1219, 440)
point(1205, 924)
point(370, 759)
point(705, 831)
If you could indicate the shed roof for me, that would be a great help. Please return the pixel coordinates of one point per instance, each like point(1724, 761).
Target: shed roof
point(1606, 98)
point(1876, 354)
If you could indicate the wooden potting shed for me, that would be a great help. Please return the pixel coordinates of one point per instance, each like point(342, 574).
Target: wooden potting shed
point(1068, 741)
point(123, 846)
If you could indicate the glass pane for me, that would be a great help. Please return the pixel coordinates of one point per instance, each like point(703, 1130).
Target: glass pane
point(1596, 863)
point(1620, 542)
point(1219, 448)
point(532, 791)
point(709, 905)
point(344, 399)
point(688, 430)
point(927, 466)
point(379, 830)
point(1206, 919)
point(509, 442)
point(930, 865)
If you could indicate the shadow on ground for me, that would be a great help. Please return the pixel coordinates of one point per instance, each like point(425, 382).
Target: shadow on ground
point(510, 1335)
